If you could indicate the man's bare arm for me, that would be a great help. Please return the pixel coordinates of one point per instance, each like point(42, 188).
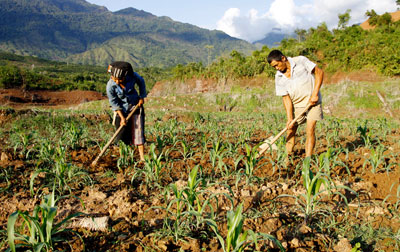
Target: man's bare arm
point(287, 102)
point(319, 77)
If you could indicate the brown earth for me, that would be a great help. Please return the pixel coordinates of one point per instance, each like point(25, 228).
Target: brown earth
point(131, 207)
point(362, 75)
point(133, 212)
point(22, 98)
point(395, 17)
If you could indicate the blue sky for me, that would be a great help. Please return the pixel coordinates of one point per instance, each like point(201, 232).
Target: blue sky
point(252, 19)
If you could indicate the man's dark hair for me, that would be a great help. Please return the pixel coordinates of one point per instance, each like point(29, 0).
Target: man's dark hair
point(120, 69)
point(275, 55)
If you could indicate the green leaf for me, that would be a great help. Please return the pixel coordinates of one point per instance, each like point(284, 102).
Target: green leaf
point(10, 230)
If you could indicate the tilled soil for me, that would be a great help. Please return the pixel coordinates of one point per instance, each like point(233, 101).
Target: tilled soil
point(135, 211)
point(20, 98)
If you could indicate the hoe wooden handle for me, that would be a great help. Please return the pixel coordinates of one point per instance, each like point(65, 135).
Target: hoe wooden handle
point(114, 136)
point(284, 130)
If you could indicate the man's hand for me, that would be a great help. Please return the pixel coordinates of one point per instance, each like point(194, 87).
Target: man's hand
point(141, 102)
point(289, 124)
point(319, 77)
point(313, 99)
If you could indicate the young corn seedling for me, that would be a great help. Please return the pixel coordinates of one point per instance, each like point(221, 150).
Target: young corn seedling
point(365, 134)
point(250, 162)
point(73, 134)
point(46, 152)
point(309, 201)
point(126, 155)
point(312, 184)
point(222, 167)
point(5, 178)
point(376, 158)
point(160, 144)
point(174, 221)
point(238, 239)
point(61, 174)
point(281, 157)
point(152, 167)
point(325, 159)
point(204, 142)
point(22, 141)
point(186, 149)
point(192, 192)
point(44, 232)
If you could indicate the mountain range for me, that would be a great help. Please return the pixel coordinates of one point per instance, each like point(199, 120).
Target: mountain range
point(79, 32)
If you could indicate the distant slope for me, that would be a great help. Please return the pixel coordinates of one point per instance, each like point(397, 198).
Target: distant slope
point(273, 38)
point(395, 17)
point(80, 32)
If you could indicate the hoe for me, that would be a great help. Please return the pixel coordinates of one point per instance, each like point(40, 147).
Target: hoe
point(94, 163)
point(269, 143)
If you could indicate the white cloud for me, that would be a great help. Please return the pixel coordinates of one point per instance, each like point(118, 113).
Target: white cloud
point(287, 16)
point(283, 12)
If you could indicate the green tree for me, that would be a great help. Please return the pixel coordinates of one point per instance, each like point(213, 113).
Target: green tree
point(385, 20)
point(372, 17)
point(10, 77)
point(301, 34)
point(344, 19)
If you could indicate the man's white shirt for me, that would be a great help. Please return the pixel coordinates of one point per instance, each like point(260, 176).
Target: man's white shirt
point(301, 83)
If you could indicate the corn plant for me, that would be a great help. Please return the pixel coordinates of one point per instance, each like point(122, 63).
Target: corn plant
point(5, 177)
point(365, 134)
point(217, 152)
point(312, 184)
point(250, 162)
point(189, 209)
point(61, 174)
point(193, 192)
point(46, 151)
point(43, 232)
point(73, 134)
point(153, 166)
point(186, 149)
point(309, 201)
point(238, 239)
point(376, 158)
point(160, 143)
point(126, 155)
point(222, 167)
point(175, 209)
point(325, 160)
point(204, 142)
point(281, 156)
point(21, 141)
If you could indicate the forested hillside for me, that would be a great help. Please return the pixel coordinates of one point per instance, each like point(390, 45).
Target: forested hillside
point(343, 49)
point(32, 73)
point(78, 32)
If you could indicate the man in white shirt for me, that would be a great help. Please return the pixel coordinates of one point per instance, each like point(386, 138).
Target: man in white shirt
point(298, 81)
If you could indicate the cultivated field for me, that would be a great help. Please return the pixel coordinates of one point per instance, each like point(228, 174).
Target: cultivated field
point(202, 187)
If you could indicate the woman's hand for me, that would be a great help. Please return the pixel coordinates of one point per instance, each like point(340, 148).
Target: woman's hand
point(123, 119)
point(141, 102)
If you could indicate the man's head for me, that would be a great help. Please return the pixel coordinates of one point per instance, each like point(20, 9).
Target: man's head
point(277, 60)
point(119, 70)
